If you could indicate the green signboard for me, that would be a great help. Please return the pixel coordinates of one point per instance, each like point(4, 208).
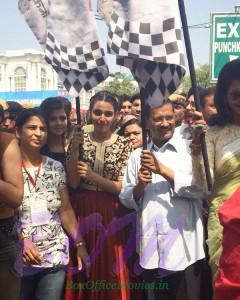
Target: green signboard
point(225, 40)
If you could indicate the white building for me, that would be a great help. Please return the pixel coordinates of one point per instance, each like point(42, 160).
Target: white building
point(26, 77)
point(25, 70)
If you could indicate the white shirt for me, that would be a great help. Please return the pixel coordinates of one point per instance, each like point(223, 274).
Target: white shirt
point(169, 220)
point(184, 131)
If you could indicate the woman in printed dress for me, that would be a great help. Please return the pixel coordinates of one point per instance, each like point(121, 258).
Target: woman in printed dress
point(223, 145)
point(45, 214)
point(97, 177)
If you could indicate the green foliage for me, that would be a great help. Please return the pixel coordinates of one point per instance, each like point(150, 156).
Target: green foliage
point(202, 75)
point(121, 85)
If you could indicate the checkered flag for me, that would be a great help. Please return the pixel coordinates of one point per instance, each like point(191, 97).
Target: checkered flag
point(69, 38)
point(156, 80)
point(147, 40)
point(79, 67)
point(81, 58)
point(74, 81)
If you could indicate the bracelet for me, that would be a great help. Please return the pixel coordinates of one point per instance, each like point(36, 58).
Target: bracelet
point(22, 237)
point(80, 244)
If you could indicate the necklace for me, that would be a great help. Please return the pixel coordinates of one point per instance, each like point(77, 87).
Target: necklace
point(31, 179)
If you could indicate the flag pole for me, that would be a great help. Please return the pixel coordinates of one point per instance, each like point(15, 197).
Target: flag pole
point(78, 112)
point(79, 121)
point(194, 86)
point(143, 118)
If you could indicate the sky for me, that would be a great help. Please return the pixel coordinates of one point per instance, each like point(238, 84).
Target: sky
point(15, 33)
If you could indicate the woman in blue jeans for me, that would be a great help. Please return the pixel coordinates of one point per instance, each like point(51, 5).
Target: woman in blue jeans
point(45, 214)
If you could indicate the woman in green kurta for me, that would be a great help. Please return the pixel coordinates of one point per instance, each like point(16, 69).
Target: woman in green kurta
point(223, 145)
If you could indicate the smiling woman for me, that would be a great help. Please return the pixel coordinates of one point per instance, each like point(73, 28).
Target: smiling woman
point(97, 179)
point(56, 111)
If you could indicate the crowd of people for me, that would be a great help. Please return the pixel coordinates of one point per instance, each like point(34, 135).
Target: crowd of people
point(86, 213)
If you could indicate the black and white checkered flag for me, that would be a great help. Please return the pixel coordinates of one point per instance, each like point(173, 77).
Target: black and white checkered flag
point(74, 81)
point(146, 37)
point(70, 41)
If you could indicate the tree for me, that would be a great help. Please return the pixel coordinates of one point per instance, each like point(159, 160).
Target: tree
point(120, 85)
point(202, 75)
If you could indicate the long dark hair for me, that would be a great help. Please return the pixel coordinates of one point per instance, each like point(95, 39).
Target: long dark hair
point(49, 105)
point(229, 73)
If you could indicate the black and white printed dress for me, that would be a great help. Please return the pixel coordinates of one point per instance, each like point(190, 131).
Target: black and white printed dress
point(38, 216)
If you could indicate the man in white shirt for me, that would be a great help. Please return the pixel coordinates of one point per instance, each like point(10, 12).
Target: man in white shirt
point(158, 184)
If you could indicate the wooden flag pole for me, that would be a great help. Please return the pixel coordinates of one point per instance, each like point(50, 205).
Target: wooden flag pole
point(79, 121)
point(194, 85)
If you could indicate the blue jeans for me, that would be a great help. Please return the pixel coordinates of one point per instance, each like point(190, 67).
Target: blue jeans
point(46, 284)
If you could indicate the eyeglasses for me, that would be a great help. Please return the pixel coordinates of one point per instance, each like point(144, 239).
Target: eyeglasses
point(55, 118)
point(98, 113)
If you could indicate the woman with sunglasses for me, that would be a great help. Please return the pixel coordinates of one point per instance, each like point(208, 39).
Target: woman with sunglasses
point(45, 214)
point(56, 111)
point(223, 144)
point(97, 176)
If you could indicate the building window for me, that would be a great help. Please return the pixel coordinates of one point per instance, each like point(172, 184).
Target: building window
point(20, 79)
point(43, 80)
